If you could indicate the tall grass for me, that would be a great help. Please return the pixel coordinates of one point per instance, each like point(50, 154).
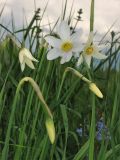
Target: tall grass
point(23, 135)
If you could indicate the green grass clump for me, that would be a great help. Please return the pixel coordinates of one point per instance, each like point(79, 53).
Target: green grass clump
point(62, 97)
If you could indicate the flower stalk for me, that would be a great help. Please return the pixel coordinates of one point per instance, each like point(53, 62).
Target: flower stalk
point(46, 110)
point(92, 86)
point(49, 118)
point(92, 16)
point(38, 92)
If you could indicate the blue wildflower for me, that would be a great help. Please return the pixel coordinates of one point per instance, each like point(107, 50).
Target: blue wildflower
point(79, 131)
point(102, 130)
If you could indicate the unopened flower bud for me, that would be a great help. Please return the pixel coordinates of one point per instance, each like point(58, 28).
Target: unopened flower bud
point(95, 89)
point(50, 129)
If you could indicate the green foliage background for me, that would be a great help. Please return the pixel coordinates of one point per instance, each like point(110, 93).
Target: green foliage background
point(72, 107)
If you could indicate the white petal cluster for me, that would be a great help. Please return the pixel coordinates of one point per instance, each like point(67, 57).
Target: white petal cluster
point(66, 46)
point(25, 57)
point(90, 50)
point(69, 45)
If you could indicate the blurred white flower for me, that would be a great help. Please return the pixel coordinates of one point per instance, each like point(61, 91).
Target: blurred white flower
point(90, 50)
point(67, 46)
point(25, 57)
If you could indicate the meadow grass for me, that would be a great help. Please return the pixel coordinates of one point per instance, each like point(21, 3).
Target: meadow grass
point(23, 135)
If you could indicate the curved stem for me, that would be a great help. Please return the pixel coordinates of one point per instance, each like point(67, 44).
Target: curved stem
point(38, 92)
point(45, 108)
point(69, 69)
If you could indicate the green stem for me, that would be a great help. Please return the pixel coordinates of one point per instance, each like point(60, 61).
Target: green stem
point(69, 69)
point(92, 131)
point(45, 108)
point(92, 16)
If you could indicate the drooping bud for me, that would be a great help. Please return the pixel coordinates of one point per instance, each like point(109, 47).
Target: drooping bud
point(50, 129)
point(95, 90)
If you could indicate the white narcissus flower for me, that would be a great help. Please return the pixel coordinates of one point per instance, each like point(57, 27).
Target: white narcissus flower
point(67, 46)
point(90, 50)
point(25, 57)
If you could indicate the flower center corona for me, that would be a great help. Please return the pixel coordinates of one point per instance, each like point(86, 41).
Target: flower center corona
point(66, 46)
point(89, 50)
